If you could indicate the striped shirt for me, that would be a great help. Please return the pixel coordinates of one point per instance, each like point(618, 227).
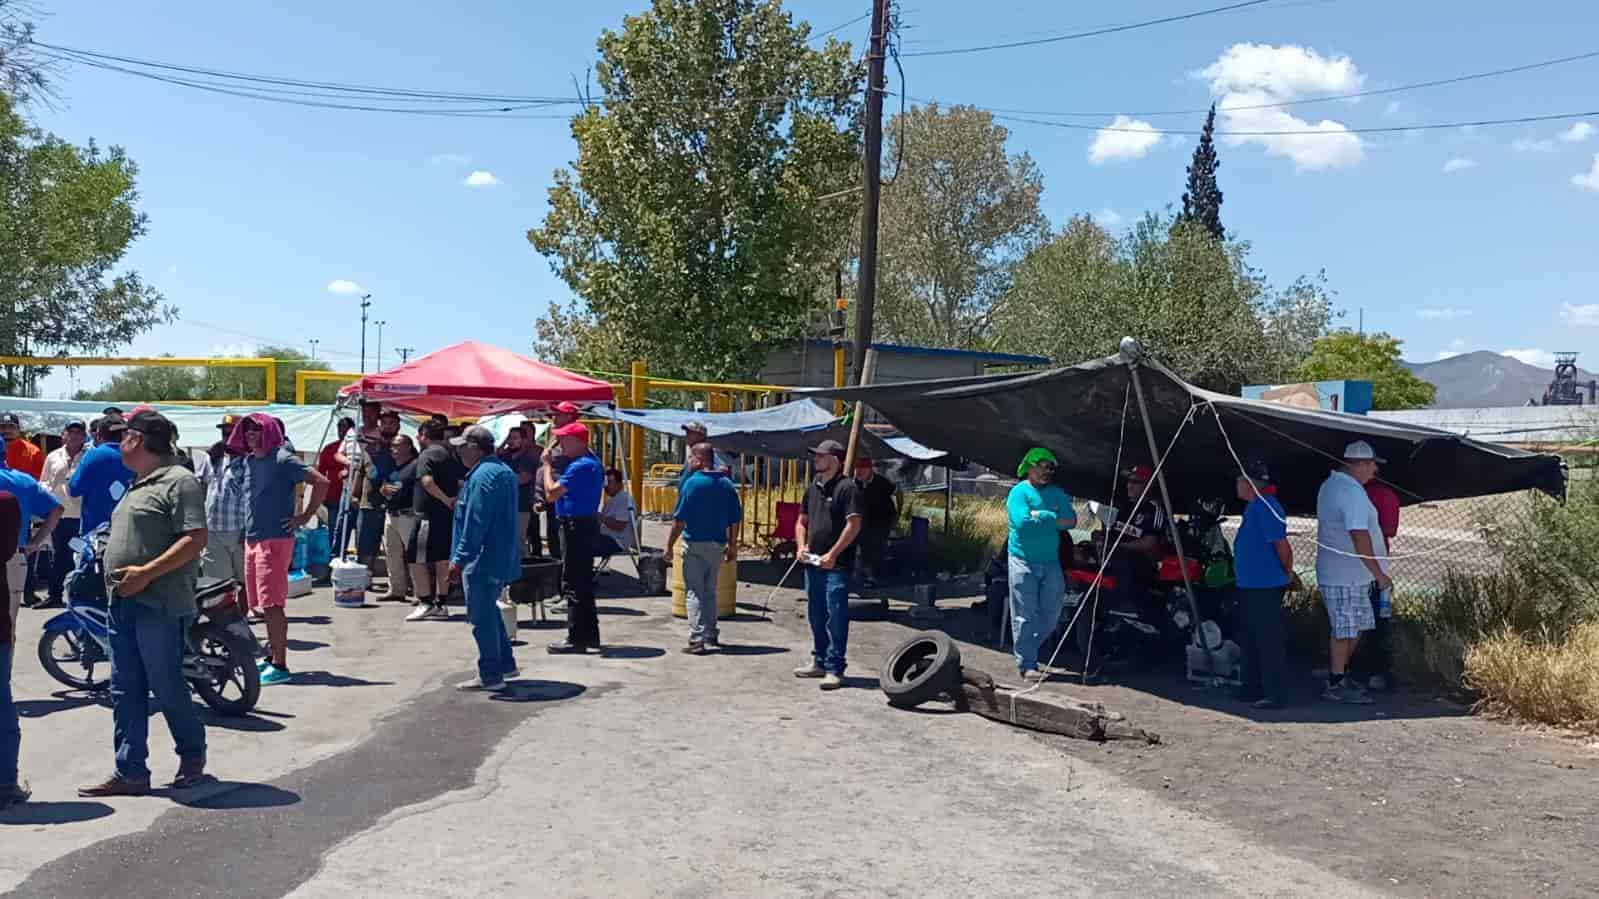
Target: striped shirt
point(227, 496)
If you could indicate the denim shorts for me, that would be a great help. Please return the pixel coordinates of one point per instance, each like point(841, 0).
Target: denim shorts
point(1349, 609)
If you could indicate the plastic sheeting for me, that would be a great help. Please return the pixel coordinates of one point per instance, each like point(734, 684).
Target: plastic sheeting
point(786, 431)
point(1088, 415)
point(197, 425)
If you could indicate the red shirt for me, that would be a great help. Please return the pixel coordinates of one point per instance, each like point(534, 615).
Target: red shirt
point(1387, 502)
point(25, 457)
point(328, 465)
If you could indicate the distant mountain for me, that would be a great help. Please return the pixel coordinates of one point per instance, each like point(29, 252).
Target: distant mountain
point(1484, 379)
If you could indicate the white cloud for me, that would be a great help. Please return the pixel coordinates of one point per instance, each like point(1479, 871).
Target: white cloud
point(1259, 74)
point(1578, 133)
point(1588, 180)
point(449, 159)
point(1539, 358)
point(1131, 139)
point(345, 288)
point(1444, 312)
point(1585, 315)
point(1459, 164)
point(1108, 217)
point(1533, 145)
point(480, 178)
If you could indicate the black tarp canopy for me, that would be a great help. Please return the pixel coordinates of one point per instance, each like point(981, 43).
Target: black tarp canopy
point(1084, 412)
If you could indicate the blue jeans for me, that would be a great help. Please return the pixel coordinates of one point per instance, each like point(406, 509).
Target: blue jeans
point(828, 592)
point(1037, 593)
point(147, 657)
point(10, 728)
point(488, 628)
point(702, 568)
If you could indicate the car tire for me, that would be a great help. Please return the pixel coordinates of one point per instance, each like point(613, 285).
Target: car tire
point(922, 668)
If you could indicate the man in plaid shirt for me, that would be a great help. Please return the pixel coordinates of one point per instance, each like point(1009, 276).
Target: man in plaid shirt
point(227, 498)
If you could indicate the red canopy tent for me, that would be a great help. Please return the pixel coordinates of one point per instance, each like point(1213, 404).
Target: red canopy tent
point(471, 379)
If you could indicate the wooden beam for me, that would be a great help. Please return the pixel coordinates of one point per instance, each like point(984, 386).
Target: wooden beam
point(980, 694)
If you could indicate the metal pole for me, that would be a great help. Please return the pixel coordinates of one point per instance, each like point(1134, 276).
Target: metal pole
point(1165, 497)
point(379, 358)
point(875, 88)
point(366, 301)
point(314, 342)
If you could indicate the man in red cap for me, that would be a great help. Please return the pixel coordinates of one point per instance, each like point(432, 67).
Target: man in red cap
point(575, 494)
point(561, 415)
point(1143, 534)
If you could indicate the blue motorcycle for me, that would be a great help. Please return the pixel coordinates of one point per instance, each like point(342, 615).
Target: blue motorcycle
point(218, 661)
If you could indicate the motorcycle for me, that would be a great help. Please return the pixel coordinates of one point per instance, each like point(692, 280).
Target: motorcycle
point(219, 652)
point(1146, 627)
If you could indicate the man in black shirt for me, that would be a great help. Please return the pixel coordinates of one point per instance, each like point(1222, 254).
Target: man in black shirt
point(1142, 536)
point(828, 525)
point(882, 510)
point(399, 526)
point(438, 478)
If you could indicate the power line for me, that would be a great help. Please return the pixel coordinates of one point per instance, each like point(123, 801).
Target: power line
point(1418, 85)
point(1388, 129)
point(836, 28)
point(1097, 32)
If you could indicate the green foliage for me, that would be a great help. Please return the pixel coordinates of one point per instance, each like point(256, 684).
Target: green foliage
point(1193, 300)
point(1553, 548)
point(149, 385)
point(957, 214)
point(22, 71)
point(67, 216)
point(690, 224)
point(158, 384)
point(1202, 199)
point(1346, 355)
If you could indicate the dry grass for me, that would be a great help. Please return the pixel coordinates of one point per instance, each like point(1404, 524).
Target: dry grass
point(1543, 680)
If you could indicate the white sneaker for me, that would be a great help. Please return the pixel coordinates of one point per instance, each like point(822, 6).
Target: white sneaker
point(436, 613)
point(426, 612)
point(831, 681)
point(476, 685)
point(811, 670)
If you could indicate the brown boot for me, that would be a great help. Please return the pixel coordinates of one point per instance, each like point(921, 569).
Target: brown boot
point(116, 785)
point(191, 773)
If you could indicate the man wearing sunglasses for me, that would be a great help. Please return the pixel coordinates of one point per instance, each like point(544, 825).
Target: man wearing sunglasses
point(1038, 512)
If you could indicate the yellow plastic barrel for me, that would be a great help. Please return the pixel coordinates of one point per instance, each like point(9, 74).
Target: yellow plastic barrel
point(726, 588)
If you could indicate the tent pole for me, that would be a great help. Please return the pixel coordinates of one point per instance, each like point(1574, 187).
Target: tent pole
point(1165, 498)
point(868, 371)
point(621, 464)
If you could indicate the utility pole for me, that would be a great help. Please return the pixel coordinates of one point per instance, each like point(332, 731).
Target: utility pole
point(366, 301)
point(405, 353)
point(379, 359)
point(875, 87)
point(314, 342)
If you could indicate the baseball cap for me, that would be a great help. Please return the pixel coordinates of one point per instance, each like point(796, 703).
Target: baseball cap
point(1257, 471)
point(74, 424)
point(567, 408)
point(696, 425)
point(573, 429)
point(1360, 451)
point(228, 421)
point(153, 425)
point(1141, 473)
point(478, 436)
point(141, 408)
point(110, 424)
point(10, 418)
point(828, 448)
point(863, 461)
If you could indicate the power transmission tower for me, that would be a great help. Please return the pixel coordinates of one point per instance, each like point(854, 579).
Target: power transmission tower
point(875, 87)
point(405, 353)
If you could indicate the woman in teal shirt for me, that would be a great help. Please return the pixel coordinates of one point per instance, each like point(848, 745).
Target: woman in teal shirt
point(1038, 512)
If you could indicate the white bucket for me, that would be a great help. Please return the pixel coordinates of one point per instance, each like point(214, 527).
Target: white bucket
point(350, 583)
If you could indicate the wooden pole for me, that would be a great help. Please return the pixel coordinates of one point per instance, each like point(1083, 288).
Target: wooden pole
point(876, 86)
point(867, 372)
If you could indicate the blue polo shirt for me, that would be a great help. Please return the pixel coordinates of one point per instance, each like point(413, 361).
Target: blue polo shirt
point(100, 481)
point(708, 506)
point(32, 499)
point(1255, 562)
point(584, 480)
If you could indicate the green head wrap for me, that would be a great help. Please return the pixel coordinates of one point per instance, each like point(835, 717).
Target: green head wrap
point(1034, 456)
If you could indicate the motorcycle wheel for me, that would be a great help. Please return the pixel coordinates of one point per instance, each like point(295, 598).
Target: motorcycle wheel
point(62, 651)
point(235, 686)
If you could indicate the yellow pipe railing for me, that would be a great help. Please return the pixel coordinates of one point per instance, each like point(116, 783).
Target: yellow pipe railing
point(305, 375)
point(270, 366)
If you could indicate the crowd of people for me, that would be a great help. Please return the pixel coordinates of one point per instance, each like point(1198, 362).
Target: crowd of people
point(1357, 521)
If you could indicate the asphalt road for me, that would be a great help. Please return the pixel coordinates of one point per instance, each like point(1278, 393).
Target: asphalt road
point(642, 772)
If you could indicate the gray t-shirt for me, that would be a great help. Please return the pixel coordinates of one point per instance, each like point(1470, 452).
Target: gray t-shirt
point(157, 510)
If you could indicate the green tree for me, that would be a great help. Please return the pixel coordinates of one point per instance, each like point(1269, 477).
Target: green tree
point(148, 384)
point(957, 214)
point(1202, 199)
point(692, 225)
point(250, 383)
point(67, 216)
point(22, 72)
point(1346, 355)
point(1194, 301)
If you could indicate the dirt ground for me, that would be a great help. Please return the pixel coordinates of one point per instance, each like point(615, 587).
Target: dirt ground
point(1412, 795)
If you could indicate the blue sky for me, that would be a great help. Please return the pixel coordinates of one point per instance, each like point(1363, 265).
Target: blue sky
point(1453, 240)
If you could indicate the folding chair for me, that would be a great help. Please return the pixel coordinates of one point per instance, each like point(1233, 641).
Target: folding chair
point(780, 540)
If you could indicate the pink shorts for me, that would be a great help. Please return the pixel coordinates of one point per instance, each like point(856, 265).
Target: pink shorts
point(266, 572)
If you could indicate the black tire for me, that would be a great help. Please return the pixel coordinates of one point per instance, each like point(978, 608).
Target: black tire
point(236, 691)
point(60, 665)
point(922, 668)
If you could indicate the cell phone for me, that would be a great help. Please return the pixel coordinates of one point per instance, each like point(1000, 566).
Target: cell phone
point(810, 558)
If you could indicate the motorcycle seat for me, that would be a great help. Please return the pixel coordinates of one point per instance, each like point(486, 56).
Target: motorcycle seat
point(1084, 578)
point(208, 587)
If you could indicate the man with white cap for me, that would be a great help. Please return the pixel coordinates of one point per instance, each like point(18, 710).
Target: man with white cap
point(1350, 558)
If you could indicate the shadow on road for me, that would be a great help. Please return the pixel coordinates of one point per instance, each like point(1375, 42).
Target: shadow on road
point(37, 813)
point(60, 701)
point(632, 652)
point(621, 610)
point(228, 795)
point(752, 649)
point(305, 645)
point(309, 619)
point(329, 679)
point(538, 691)
point(244, 723)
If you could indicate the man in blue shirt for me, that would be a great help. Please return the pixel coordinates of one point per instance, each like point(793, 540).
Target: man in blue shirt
point(1038, 511)
point(576, 495)
point(34, 502)
point(486, 553)
point(101, 479)
point(707, 515)
point(1263, 564)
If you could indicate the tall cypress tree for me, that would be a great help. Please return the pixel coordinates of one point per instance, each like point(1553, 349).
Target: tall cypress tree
point(1202, 199)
